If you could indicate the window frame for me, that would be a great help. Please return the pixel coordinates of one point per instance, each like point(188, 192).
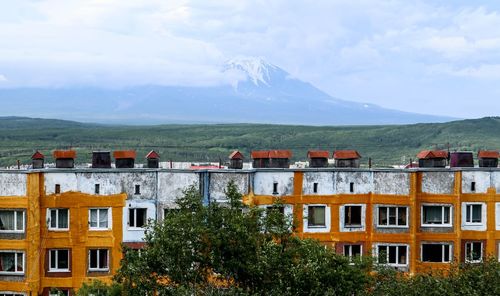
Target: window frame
point(350, 256)
point(16, 252)
point(134, 227)
point(443, 245)
point(109, 222)
point(466, 205)
point(49, 216)
point(466, 257)
point(57, 269)
point(387, 245)
point(315, 229)
point(444, 225)
point(388, 225)
point(11, 293)
point(98, 269)
point(15, 212)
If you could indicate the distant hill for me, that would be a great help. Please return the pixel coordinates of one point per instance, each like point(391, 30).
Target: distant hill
point(259, 93)
point(385, 144)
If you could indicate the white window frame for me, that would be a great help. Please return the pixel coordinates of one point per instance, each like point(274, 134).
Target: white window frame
point(378, 207)
point(57, 221)
point(350, 256)
point(133, 227)
point(64, 291)
point(353, 228)
point(11, 293)
point(443, 245)
point(466, 259)
point(98, 228)
point(57, 269)
point(16, 252)
point(478, 226)
point(316, 229)
point(15, 230)
point(98, 269)
point(406, 264)
point(450, 224)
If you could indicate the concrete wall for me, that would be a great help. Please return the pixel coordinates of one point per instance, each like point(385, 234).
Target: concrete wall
point(362, 182)
point(325, 182)
point(263, 183)
point(482, 180)
point(171, 185)
point(219, 181)
point(438, 182)
point(13, 184)
point(397, 183)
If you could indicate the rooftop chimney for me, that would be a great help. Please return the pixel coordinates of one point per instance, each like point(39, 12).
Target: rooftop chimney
point(101, 160)
point(65, 158)
point(488, 159)
point(236, 160)
point(37, 160)
point(124, 159)
point(346, 158)
point(153, 159)
point(318, 158)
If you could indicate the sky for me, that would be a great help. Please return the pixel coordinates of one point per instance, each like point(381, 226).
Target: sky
point(434, 57)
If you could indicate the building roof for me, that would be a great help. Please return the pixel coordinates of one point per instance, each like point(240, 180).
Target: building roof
point(236, 155)
point(120, 154)
point(318, 154)
point(346, 154)
point(280, 154)
point(260, 154)
point(488, 154)
point(152, 155)
point(58, 154)
point(37, 155)
point(429, 154)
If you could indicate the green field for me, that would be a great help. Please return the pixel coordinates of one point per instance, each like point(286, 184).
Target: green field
point(386, 145)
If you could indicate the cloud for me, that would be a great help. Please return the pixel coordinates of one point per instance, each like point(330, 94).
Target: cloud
point(3, 78)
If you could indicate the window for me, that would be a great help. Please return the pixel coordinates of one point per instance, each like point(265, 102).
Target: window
point(315, 187)
point(137, 218)
point(473, 252)
point(316, 216)
point(58, 260)
point(436, 215)
point(11, 221)
point(137, 189)
point(57, 189)
point(436, 253)
point(352, 216)
point(352, 251)
point(473, 213)
point(11, 294)
point(275, 188)
point(392, 255)
point(392, 216)
point(99, 260)
point(97, 188)
point(58, 219)
point(99, 219)
point(351, 187)
point(11, 262)
point(59, 292)
point(473, 186)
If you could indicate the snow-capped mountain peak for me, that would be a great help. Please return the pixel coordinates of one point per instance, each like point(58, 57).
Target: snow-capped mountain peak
point(255, 68)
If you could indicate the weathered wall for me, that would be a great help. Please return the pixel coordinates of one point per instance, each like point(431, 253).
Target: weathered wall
point(219, 181)
point(397, 183)
point(438, 182)
point(263, 182)
point(171, 185)
point(325, 182)
point(362, 182)
point(482, 180)
point(12, 184)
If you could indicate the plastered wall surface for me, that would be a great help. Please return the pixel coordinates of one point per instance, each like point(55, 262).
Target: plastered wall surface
point(362, 182)
point(263, 182)
point(325, 182)
point(219, 182)
point(482, 181)
point(12, 184)
point(171, 185)
point(397, 183)
point(438, 182)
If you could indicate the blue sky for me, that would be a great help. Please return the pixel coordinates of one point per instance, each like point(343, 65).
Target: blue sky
point(435, 57)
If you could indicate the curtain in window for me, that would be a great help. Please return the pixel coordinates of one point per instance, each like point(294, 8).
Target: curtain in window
point(433, 215)
point(63, 218)
point(6, 220)
point(93, 218)
point(401, 216)
point(476, 213)
point(382, 216)
point(20, 221)
point(7, 262)
point(316, 216)
point(103, 218)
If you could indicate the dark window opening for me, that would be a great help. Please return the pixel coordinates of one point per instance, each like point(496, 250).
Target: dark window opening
point(137, 217)
point(315, 187)
point(275, 188)
point(351, 187)
point(352, 251)
point(58, 189)
point(352, 216)
point(97, 188)
point(137, 189)
point(435, 253)
point(316, 216)
point(473, 186)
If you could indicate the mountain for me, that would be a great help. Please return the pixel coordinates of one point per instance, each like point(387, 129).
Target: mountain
point(262, 93)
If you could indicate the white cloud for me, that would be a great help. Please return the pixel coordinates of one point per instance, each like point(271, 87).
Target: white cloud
point(3, 78)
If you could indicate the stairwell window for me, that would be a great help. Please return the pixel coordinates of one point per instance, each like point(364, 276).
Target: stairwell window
point(11, 263)
point(58, 260)
point(100, 219)
point(315, 187)
point(137, 189)
point(137, 218)
point(11, 221)
point(58, 219)
point(435, 215)
point(57, 189)
point(351, 187)
point(353, 251)
point(99, 260)
point(97, 189)
point(275, 188)
point(436, 252)
point(473, 252)
point(473, 186)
